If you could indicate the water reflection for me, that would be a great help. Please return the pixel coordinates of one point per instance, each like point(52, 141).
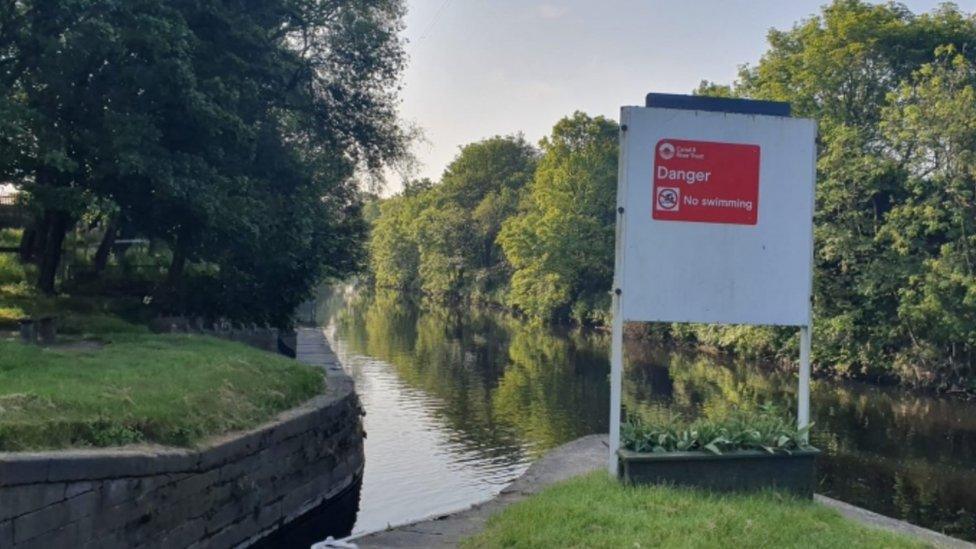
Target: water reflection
point(460, 401)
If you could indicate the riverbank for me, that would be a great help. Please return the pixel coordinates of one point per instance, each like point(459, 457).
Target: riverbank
point(101, 378)
point(230, 490)
point(552, 505)
point(123, 387)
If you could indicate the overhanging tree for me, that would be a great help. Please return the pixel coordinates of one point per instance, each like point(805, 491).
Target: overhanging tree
point(213, 125)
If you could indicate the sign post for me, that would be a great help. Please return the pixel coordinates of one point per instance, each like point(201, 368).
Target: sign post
point(714, 223)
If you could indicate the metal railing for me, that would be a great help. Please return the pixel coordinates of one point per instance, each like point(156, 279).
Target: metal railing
point(12, 212)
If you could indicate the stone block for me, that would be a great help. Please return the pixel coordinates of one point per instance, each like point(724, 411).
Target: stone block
point(24, 468)
point(7, 533)
point(226, 513)
point(234, 533)
point(114, 540)
point(115, 491)
point(269, 515)
point(234, 470)
point(184, 534)
point(40, 522)
point(77, 488)
point(54, 516)
point(195, 484)
point(86, 465)
point(65, 536)
point(22, 499)
point(301, 497)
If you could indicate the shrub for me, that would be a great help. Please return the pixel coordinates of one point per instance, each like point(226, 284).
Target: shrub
point(764, 429)
point(11, 271)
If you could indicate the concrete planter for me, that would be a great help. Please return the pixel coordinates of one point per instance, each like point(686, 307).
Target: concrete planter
point(741, 471)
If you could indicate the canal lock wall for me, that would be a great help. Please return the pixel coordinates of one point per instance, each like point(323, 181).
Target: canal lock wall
point(231, 492)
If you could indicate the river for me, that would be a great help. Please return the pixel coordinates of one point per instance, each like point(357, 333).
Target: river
point(459, 402)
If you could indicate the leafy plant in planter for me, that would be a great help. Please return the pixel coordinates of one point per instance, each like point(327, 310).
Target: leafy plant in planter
point(741, 451)
point(765, 429)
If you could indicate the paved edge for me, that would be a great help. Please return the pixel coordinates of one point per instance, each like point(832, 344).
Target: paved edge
point(569, 460)
point(572, 459)
point(874, 520)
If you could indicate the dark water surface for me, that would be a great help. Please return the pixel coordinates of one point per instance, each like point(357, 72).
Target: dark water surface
point(459, 403)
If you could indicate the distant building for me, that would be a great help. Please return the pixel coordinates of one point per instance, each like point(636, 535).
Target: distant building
point(8, 192)
point(11, 213)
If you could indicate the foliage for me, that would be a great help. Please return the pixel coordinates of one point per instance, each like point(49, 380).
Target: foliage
point(561, 242)
point(597, 511)
point(10, 317)
point(765, 429)
point(230, 132)
point(504, 226)
point(393, 252)
point(892, 93)
point(138, 387)
point(11, 270)
point(441, 239)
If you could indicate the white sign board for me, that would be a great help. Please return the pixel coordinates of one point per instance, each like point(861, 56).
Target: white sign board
point(714, 225)
point(697, 242)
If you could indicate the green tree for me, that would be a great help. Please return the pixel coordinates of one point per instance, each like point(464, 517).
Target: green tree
point(230, 131)
point(485, 182)
point(849, 67)
point(441, 239)
point(561, 243)
point(446, 243)
point(393, 253)
point(930, 125)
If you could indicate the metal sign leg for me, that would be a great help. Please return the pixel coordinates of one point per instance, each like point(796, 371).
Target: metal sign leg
point(616, 382)
point(803, 397)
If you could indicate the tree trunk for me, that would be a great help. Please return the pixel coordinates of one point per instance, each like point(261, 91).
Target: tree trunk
point(108, 240)
point(176, 266)
point(41, 233)
point(50, 257)
point(27, 243)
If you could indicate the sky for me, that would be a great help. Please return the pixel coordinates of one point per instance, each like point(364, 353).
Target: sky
point(479, 68)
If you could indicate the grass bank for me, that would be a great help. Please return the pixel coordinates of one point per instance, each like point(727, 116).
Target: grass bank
point(109, 381)
point(596, 511)
point(132, 386)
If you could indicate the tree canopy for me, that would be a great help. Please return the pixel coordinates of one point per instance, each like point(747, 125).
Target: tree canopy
point(561, 243)
point(232, 132)
point(441, 238)
point(893, 95)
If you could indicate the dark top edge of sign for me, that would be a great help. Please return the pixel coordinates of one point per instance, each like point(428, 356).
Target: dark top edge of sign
point(716, 104)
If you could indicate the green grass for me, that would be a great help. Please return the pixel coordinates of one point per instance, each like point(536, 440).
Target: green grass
point(111, 382)
point(596, 511)
point(10, 269)
point(140, 387)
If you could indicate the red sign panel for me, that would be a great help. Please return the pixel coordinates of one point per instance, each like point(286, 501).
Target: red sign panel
point(706, 181)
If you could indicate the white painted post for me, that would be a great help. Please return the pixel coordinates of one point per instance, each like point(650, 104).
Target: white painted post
point(616, 381)
point(617, 325)
point(803, 398)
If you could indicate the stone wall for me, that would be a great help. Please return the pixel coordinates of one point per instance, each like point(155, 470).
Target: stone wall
point(231, 492)
point(265, 338)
